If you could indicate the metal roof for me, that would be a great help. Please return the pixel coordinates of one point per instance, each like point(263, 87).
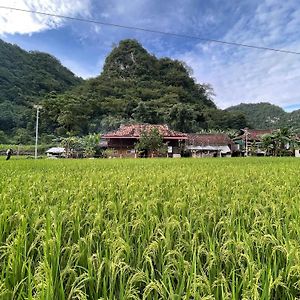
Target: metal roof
point(56, 150)
point(222, 149)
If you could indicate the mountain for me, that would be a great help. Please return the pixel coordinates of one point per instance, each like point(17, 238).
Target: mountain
point(293, 119)
point(267, 116)
point(136, 86)
point(261, 115)
point(25, 77)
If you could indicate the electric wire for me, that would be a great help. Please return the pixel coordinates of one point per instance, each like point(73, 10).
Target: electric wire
point(178, 35)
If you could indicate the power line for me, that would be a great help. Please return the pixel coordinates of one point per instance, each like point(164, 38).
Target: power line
point(151, 30)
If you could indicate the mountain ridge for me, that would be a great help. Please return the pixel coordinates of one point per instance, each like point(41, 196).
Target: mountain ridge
point(25, 77)
point(136, 86)
point(265, 115)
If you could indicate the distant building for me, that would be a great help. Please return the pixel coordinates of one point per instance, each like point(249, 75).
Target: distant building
point(124, 139)
point(209, 145)
point(250, 140)
point(55, 152)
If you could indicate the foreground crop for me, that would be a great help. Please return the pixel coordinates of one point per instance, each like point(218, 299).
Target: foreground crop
point(150, 229)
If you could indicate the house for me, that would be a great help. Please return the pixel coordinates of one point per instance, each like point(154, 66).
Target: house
point(209, 145)
point(124, 139)
point(55, 152)
point(249, 141)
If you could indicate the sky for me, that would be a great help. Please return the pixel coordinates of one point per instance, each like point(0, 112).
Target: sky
point(236, 74)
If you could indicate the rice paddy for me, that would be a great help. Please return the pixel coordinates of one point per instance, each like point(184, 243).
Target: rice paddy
point(150, 229)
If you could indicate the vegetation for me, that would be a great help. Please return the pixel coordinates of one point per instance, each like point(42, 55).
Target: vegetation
point(134, 86)
point(150, 142)
point(267, 116)
point(87, 146)
point(24, 149)
point(149, 229)
point(280, 142)
point(25, 77)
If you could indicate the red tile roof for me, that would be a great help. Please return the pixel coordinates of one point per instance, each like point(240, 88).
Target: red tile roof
point(135, 131)
point(209, 139)
point(254, 134)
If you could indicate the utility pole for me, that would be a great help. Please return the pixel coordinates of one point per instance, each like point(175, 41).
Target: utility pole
point(38, 107)
point(246, 141)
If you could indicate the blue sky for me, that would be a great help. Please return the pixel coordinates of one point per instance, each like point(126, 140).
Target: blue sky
point(236, 74)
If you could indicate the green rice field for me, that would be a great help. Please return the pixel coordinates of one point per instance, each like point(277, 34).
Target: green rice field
point(150, 229)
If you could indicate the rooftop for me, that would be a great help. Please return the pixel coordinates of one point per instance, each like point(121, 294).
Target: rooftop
point(56, 150)
point(254, 134)
point(135, 131)
point(218, 139)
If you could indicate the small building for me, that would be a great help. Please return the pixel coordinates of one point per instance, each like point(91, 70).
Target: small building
point(250, 141)
point(56, 152)
point(209, 145)
point(124, 139)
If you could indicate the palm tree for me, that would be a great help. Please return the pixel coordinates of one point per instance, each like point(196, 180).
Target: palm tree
point(280, 141)
point(268, 143)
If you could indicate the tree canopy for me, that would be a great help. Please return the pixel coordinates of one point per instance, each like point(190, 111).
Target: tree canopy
point(25, 78)
point(135, 86)
point(280, 142)
point(150, 142)
point(267, 116)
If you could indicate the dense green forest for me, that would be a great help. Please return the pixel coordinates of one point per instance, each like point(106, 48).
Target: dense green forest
point(267, 116)
point(134, 86)
point(26, 77)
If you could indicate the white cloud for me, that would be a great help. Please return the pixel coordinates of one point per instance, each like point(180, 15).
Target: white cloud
point(249, 75)
point(12, 22)
point(236, 74)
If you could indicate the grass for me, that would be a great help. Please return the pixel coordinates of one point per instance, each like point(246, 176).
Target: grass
point(24, 150)
point(150, 229)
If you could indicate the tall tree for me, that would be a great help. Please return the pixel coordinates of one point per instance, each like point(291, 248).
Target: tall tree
point(280, 142)
point(150, 142)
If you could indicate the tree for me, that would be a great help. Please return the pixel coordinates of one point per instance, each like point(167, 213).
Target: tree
point(145, 113)
point(22, 136)
point(150, 142)
point(268, 143)
point(3, 137)
point(72, 146)
point(280, 142)
point(109, 123)
point(134, 85)
point(182, 118)
point(25, 78)
point(90, 144)
point(262, 115)
point(285, 140)
point(219, 119)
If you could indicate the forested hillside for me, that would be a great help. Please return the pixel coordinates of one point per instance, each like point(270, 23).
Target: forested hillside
point(135, 86)
point(267, 116)
point(25, 77)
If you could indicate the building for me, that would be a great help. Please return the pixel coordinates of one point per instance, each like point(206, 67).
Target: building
point(56, 152)
point(249, 141)
point(124, 139)
point(209, 145)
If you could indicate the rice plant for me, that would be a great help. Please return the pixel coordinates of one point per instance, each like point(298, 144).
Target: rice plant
point(150, 229)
